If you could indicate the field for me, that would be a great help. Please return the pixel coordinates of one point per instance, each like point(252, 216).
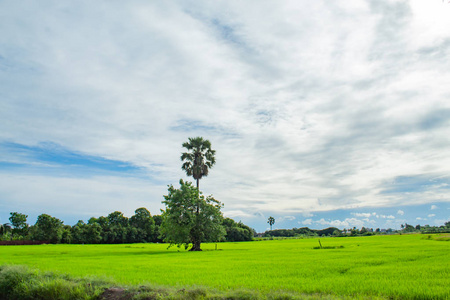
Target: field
point(400, 266)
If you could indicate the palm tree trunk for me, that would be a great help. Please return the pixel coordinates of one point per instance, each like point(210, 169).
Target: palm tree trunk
point(198, 204)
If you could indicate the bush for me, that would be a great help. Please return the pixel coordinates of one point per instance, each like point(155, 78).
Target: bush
point(19, 282)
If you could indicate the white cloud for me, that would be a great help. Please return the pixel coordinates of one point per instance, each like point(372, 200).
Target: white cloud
point(433, 207)
point(348, 222)
point(385, 216)
point(132, 81)
point(307, 214)
point(400, 212)
point(431, 215)
point(286, 218)
point(366, 215)
point(307, 222)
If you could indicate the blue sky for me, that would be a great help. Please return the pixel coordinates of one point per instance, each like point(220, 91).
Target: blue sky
point(322, 114)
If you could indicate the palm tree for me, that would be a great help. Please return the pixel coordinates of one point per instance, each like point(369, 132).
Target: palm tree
point(4, 228)
point(271, 221)
point(199, 158)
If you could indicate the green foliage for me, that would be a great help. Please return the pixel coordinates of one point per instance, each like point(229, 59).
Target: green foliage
point(19, 282)
point(19, 222)
point(143, 225)
point(5, 228)
point(271, 221)
point(190, 218)
point(237, 231)
point(294, 232)
point(156, 235)
point(47, 228)
point(337, 232)
point(199, 158)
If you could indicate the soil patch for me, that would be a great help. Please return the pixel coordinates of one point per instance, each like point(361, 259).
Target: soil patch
point(115, 294)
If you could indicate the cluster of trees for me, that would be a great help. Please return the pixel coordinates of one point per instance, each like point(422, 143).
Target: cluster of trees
point(115, 228)
point(333, 231)
point(297, 232)
point(407, 228)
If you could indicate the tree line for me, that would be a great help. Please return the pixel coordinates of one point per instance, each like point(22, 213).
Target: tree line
point(363, 231)
point(115, 228)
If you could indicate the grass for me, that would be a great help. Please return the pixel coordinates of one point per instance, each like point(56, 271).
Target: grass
point(19, 282)
point(396, 267)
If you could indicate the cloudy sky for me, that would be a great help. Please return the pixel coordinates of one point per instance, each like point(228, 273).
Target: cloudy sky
point(322, 113)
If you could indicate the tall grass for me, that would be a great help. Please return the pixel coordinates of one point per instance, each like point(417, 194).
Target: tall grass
point(399, 267)
point(19, 282)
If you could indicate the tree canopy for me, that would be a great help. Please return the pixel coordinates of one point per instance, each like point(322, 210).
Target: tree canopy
point(199, 158)
point(271, 221)
point(190, 218)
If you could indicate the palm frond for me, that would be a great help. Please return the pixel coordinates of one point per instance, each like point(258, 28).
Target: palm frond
point(199, 159)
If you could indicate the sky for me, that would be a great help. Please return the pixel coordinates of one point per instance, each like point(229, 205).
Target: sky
point(322, 113)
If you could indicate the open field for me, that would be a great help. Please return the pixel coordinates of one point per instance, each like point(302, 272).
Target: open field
point(401, 266)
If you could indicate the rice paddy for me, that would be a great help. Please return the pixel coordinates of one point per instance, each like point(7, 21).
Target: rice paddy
point(397, 266)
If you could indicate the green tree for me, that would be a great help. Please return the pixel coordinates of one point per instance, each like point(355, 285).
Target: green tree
point(19, 222)
point(156, 236)
point(190, 218)
point(117, 219)
point(93, 233)
point(79, 232)
point(66, 236)
point(5, 228)
point(199, 158)
point(47, 228)
point(117, 229)
point(104, 228)
point(144, 224)
point(237, 231)
point(271, 221)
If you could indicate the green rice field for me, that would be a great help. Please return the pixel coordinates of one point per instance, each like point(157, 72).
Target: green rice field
point(398, 266)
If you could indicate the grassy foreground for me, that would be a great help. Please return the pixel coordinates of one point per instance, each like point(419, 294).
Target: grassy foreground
point(399, 267)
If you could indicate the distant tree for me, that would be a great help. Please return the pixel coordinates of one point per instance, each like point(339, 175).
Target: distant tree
point(408, 228)
point(199, 158)
point(143, 224)
point(117, 219)
point(337, 232)
point(93, 233)
point(90, 233)
point(190, 218)
point(237, 231)
point(271, 221)
point(78, 232)
point(47, 228)
point(66, 236)
point(117, 228)
point(157, 219)
point(5, 228)
point(156, 236)
point(19, 222)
